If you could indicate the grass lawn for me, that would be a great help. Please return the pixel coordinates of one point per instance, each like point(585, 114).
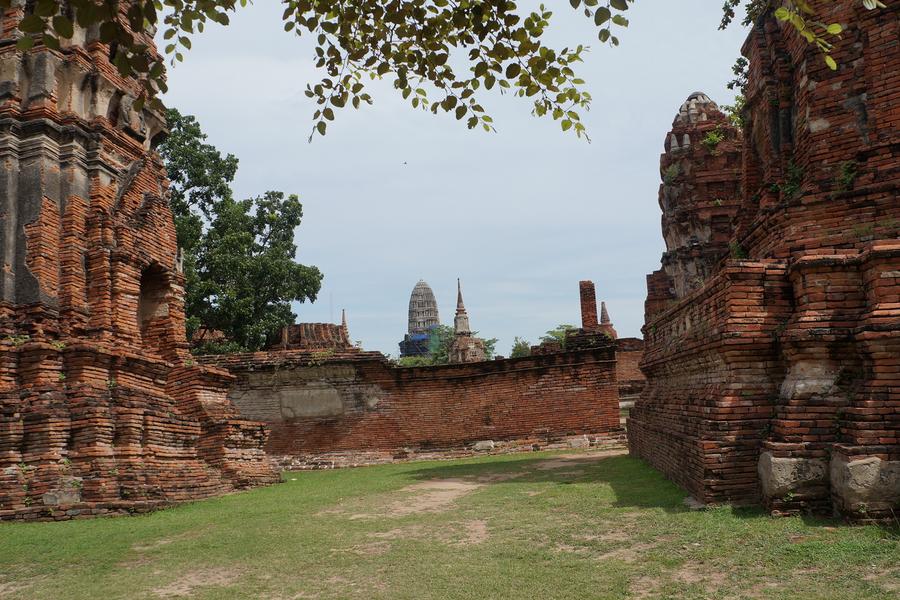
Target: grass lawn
point(524, 526)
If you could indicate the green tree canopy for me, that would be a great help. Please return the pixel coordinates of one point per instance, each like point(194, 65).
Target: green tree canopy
point(520, 348)
point(240, 272)
point(439, 53)
point(558, 335)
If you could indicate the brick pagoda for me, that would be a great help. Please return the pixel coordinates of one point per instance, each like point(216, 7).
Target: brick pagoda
point(101, 407)
point(773, 329)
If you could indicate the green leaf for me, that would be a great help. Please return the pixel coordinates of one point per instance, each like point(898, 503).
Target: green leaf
point(25, 43)
point(63, 26)
point(31, 24)
point(50, 41)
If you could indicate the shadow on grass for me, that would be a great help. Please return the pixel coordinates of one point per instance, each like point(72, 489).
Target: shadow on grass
point(635, 484)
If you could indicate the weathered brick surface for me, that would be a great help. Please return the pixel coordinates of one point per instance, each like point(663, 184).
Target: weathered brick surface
point(358, 402)
point(314, 336)
point(97, 413)
point(775, 380)
point(630, 378)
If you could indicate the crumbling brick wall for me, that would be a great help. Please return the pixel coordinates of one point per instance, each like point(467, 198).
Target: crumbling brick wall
point(359, 402)
point(775, 380)
point(94, 418)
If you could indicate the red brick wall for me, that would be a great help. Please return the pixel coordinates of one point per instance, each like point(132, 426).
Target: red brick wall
point(386, 408)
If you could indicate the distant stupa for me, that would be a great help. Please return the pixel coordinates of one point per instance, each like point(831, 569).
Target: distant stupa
point(423, 317)
point(465, 347)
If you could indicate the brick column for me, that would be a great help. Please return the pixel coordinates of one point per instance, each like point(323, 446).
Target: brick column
point(588, 305)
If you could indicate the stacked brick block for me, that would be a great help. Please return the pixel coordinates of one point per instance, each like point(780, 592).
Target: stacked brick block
point(314, 336)
point(776, 381)
point(101, 409)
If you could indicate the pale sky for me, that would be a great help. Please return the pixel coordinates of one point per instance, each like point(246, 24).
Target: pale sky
point(393, 195)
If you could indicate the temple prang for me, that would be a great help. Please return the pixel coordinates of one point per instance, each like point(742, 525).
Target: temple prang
point(102, 409)
point(423, 317)
point(773, 328)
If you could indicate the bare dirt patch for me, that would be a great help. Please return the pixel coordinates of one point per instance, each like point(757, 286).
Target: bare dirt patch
point(431, 496)
point(371, 583)
point(462, 534)
point(474, 533)
point(709, 577)
point(152, 545)
point(570, 549)
point(368, 549)
point(886, 579)
point(10, 588)
point(434, 496)
point(410, 532)
point(568, 461)
point(192, 581)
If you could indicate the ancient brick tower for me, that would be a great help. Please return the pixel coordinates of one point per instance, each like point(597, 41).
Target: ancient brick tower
point(101, 408)
point(465, 348)
point(423, 316)
point(773, 329)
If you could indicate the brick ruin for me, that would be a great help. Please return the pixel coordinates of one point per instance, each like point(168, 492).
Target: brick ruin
point(629, 351)
point(773, 328)
point(101, 408)
point(349, 406)
point(315, 336)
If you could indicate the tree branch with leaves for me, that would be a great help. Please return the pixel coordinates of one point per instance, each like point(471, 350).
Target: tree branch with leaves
point(440, 54)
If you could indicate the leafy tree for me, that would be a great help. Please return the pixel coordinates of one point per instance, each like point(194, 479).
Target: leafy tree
point(439, 342)
point(558, 334)
point(439, 53)
point(520, 348)
point(240, 272)
point(439, 339)
point(415, 361)
point(490, 346)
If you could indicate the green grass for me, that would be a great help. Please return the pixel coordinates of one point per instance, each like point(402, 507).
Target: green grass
point(512, 526)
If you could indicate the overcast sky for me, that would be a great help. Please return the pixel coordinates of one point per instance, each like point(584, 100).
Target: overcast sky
point(392, 195)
